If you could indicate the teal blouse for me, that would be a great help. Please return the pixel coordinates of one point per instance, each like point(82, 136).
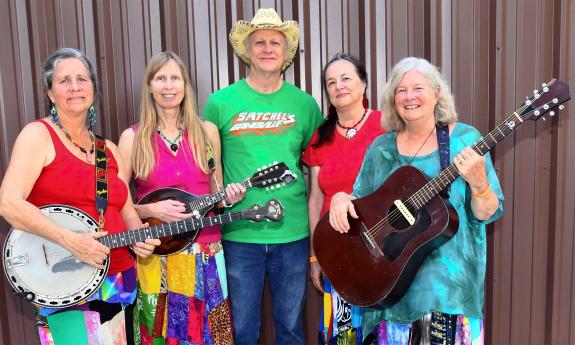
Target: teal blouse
point(451, 278)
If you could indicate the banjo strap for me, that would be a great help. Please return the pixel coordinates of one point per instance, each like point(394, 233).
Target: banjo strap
point(101, 179)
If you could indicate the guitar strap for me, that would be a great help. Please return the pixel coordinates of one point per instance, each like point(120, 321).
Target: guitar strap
point(443, 144)
point(101, 179)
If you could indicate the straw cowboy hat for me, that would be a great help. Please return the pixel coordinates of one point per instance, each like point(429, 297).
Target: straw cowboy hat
point(265, 18)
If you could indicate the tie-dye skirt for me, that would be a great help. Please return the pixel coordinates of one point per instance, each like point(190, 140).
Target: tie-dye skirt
point(195, 309)
point(340, 322)
point(78, 325)
point(434, 328)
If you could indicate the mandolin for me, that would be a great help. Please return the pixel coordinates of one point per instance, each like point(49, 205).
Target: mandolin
point(271, 177)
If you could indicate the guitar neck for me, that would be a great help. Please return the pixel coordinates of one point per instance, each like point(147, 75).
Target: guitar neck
point(162, 230)
point(448, 175)
point(214, 198)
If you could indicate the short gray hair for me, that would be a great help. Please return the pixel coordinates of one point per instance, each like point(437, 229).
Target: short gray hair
point(444, 109)
point(49, 67)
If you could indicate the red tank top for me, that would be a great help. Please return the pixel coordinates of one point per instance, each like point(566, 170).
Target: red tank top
point(67, 180)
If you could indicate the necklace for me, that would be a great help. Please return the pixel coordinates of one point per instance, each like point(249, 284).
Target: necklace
point(351, 131)
point(173, 143)
point(420, 146)
point(88, 154)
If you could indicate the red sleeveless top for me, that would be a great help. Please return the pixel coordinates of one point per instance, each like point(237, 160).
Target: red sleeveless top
point(68, 180)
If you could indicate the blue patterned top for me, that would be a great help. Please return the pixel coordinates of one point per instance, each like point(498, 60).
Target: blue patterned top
point(451, 278)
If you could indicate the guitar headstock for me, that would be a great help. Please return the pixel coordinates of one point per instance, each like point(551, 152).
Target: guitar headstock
point(273, 176)
point(545, 100)
point(271, 210)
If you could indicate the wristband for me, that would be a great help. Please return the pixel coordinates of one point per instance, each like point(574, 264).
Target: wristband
point(481, 194)
point(312, 259)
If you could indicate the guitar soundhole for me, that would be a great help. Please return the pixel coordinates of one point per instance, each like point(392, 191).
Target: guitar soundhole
point(393, 244)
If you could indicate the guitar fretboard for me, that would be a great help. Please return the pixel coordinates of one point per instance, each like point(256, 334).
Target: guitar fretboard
point(212, 199)
point(162, 230)
point(448, 175)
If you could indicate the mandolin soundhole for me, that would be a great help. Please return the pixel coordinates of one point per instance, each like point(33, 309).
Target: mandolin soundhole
point(393, 244)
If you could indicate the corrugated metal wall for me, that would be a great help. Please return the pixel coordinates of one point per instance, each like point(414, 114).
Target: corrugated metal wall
point(493, 51)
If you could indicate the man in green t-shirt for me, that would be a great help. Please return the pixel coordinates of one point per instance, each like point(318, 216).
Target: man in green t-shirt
point(263, 119)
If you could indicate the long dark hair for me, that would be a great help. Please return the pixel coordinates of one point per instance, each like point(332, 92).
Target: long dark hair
point(327, 128)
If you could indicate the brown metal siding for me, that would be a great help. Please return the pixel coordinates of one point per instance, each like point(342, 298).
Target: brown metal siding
point(493, 53)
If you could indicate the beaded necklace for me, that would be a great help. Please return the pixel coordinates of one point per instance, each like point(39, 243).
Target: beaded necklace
point(56, 120)
point(351, 131)
point(173, 143)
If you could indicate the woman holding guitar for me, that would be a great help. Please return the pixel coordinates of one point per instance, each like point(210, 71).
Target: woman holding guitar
point(349, 129)
point(53, 162)
point(172, 147)
point(445, 299)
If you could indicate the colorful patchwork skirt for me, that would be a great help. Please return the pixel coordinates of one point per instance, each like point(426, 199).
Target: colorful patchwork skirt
point(79, 325)
point(340, 322)
point(192, 307)
point(434, 328)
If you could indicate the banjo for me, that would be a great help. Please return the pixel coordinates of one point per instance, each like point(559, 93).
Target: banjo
point(49, 275)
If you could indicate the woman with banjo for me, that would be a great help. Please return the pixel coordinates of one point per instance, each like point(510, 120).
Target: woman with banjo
point(53, 162)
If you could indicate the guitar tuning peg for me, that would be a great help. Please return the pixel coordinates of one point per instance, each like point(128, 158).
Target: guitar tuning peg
point(275, 162)
point(528, 102)
point(534, 92)
point(546, 106)
point(551, 113)
point(555, 100)
point(561, 107)
point(536, 112)
point(272, 188)
point(544, 84)
point(536, 96)
point(545, 89)
point(259, 169)
point(543, 118)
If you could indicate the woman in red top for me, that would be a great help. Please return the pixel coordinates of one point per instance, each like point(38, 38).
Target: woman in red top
point(53, 163)
point(334, 155)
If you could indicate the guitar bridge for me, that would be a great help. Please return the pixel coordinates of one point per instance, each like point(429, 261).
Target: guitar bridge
point(369, 242)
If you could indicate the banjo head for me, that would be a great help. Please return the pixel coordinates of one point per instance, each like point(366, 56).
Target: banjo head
point(47, 274)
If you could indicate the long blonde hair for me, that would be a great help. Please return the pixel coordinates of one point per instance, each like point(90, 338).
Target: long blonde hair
point(445, 108)
point(143, 160)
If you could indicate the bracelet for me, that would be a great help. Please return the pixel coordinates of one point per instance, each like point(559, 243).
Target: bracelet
point(225, 204)
point(481, 194)
point(312, 259)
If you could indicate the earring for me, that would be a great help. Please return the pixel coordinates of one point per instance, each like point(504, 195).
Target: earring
point(91, 117)
point(53, 113)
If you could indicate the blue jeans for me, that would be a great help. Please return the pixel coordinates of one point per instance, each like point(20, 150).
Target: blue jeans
point(286, 265)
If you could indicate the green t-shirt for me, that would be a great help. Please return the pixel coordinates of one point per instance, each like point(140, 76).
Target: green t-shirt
point(257, 130)
point(451, 278)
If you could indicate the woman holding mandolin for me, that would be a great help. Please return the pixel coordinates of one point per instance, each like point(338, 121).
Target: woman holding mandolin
point(53, 162)
point(445, 299)
point(349, 129)
point(172, 147)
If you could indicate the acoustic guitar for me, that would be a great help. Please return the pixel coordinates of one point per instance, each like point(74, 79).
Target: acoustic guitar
point(47, 274)
point(405, 219)
point(271, 177)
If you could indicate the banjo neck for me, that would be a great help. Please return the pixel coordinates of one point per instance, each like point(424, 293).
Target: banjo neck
point(170, 229)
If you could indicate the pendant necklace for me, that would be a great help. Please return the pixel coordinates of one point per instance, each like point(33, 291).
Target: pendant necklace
point(89, 153)
point(351, 131)
point(173, 143)
point(420, 146)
